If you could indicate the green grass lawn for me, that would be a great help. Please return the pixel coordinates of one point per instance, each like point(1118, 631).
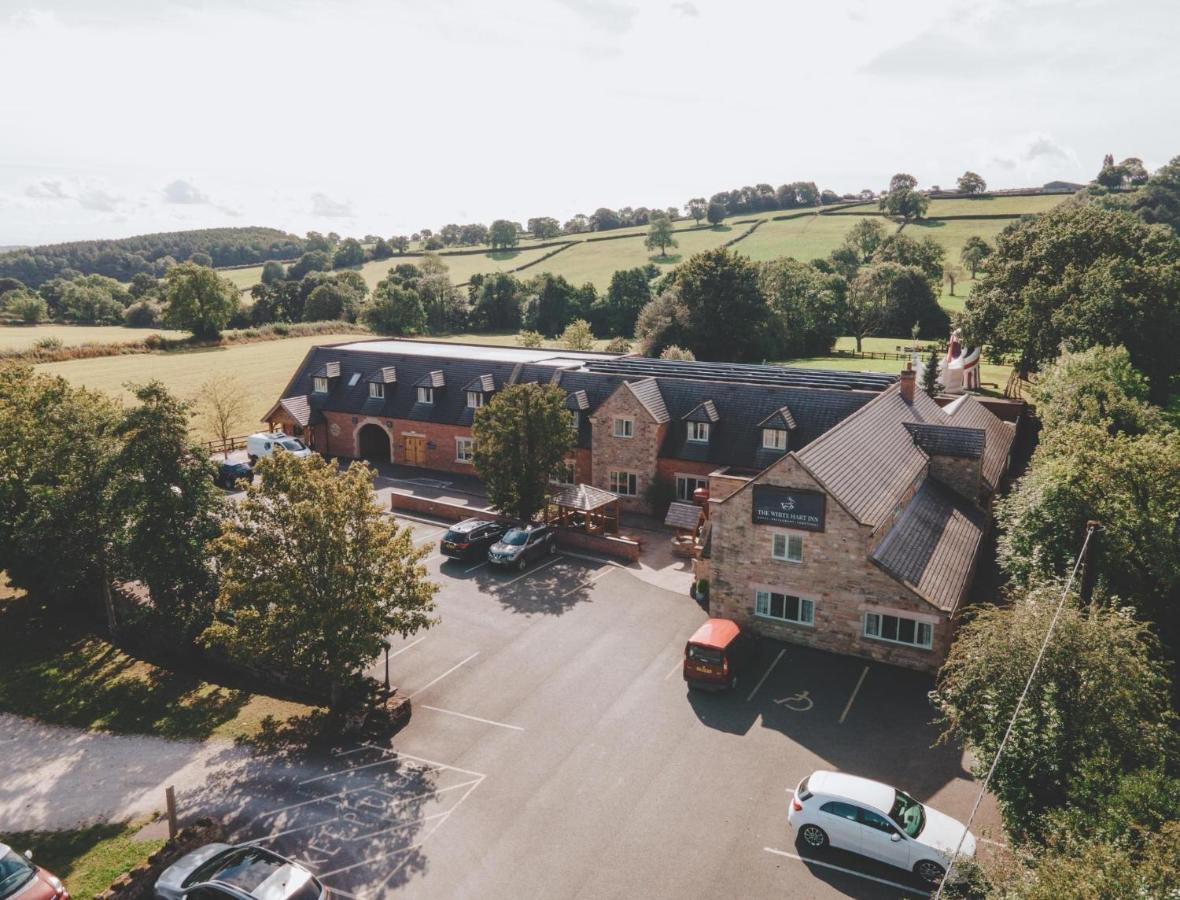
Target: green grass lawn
point(992, 206)
point(87, 860)
point(263, 370)
point(459, 267)
point(22, 337)
point(805, 238)
point(57, 672)
point(245, 278)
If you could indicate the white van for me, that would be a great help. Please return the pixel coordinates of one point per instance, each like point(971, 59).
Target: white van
point(261, 445)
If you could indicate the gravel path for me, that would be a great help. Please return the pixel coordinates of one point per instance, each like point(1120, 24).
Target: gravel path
point(57, 778)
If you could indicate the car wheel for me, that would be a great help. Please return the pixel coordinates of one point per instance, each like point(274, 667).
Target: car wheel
point(929, 871)
point(523, 564)
point(814, 837)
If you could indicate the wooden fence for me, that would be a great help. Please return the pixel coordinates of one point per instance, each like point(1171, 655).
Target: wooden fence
point(229, 445)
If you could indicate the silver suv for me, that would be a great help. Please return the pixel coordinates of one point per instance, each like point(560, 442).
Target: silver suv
point(521, 545)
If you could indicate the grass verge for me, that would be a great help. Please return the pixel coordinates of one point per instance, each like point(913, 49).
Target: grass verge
point(87, 860)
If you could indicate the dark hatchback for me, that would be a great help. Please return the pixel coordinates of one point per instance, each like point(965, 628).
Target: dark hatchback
point(229, 474)
point(470, 539)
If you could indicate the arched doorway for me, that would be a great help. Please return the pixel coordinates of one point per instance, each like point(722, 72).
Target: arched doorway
point(373, 443)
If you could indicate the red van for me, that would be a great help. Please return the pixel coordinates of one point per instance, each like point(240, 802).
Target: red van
point(715, 655)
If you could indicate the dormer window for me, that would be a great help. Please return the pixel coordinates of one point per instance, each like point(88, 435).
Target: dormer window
point(321, 385)
point(425, 395)
point(774, 439)
point(698, 432)
point(376, 390)
point(474, 399)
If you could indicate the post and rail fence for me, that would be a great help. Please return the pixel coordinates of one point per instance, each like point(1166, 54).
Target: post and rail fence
point(226, 445)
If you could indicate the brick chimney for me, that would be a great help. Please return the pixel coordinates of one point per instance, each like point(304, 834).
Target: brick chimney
point(907, 383)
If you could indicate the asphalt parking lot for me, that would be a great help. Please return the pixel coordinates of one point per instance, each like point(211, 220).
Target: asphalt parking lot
point(555, 751)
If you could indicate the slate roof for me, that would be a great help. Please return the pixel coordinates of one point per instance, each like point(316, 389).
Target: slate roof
point(584, 497)
point(869, 460)
point(780, 419)
point(948, 440)
point(328, 370)
point(933, 546)
point(647, 392)
point(705, 411)
point(970, 413)
point(577, 401)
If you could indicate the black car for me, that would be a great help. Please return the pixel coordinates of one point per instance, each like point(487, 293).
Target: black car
point(230, 473)
point(523, 544)
point(470, 538)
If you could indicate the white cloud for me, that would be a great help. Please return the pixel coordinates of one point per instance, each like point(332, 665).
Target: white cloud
point(689, 10)
point(183, 192)
point(612, 17)
point(323, 205)
point(98, 200)
point(47, 190)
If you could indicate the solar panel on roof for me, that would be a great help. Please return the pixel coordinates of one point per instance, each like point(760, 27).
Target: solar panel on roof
point(743, 372)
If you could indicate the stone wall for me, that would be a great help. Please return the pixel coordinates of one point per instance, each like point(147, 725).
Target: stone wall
point(835, 573)
point(961, 474)
point(638, 454)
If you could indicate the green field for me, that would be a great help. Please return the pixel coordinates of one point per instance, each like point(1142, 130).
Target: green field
point(86, 859)
point(805, 238)
point(244, 278)
point(22, 337)
point(993, 206)
point(460, 267)
point(263, 369)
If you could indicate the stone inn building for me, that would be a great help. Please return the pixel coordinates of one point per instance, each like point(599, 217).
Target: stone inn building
point(846, 510)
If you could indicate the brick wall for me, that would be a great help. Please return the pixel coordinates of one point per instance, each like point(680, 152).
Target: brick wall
point(835, 573)
point(343, 432)
point(637, 454)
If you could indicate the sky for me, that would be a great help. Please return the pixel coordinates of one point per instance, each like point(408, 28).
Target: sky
point(121, 117)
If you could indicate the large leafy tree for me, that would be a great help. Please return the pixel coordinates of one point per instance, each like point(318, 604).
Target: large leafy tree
point(660, 235)
point(1079, 276)
point(522, 437)
point(313, 576)
point(975, 251)
point(395, 308)
point(808, 307)
point(1097, 387)
point(924, 253)
point(167, 508)
point(496, 301)
point(503, 234)
point(903, 200)
point(1129, 483)
point(971, 183)
point(1100, 687)
point(1158, 201)
point(629, 292)
point(199, 300)
point(726, 311)
point(895, 297)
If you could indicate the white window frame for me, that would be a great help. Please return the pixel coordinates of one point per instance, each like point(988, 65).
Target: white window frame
point(320, 385)
point(698, 432)
point(575, 421)
point(873, 624)
point(474, 399)
point(806, 608)
point(376, 390)
point(774, 439)
point(465, 450)
point(622, 478)
point(682, 482)
point(624, 428)
point(426, 395)
point(781, 545)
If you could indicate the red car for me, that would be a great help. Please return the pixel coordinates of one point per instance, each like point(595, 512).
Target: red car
point(21, 880)
point(717, 653)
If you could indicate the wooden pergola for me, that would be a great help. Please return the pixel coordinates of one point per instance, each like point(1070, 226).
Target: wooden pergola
point(583, 507)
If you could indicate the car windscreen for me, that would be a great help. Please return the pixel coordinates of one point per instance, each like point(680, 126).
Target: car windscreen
point(15, 870)
point(456, 537)
point(697, 653)
point(908, 814)
point(245, 867)
point(293, 444)
point(515, 538)
point(310, 890)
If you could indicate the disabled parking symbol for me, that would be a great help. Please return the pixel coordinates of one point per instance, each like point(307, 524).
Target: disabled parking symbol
point(800, 702)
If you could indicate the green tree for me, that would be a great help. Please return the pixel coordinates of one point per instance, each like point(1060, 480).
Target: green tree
point(1097, 387)
point(504, 234)
point(727, 314)
point(807, 307)
point(698, 208)
point(629, 292)
point(663, 322)
point(975, 251)
point(349, 253)
point(273, 271)
point(864, 237)
point(550, 306)
point(522, 437)
point(381, 249)
point(168, 509)
point(544, 228)
point(143, 284)
point(1080, 276)
point(715, 213)
point(677, 353)
point(866, 305)
point(394, 309)
point(902, 182)
point(446, 308)
point(904, 203)
point(496, 302)
point(1130, 483)
point(930, 382)
point(970, 183)
point(314, 577)
point(1158, 201)
point(530, 339)
point(26, 306)
point(330, 300)
point(87, 303)
point(578, 336)
point(926, 254)
point(400, 243)
point(312, 261)
point(1100, 686)
point(660, 235)
point(199, 300)
point(904, 296)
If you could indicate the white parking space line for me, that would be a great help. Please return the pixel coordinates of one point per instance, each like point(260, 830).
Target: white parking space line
point(451, 712)
point(605, 570)
point(853, 872)
point(999, 844)
point(765, 675)
point(679, 667)
point(435, 681)
point(407, 647)
point(397, 754)
point(475, 568)
point(548, 562)
point(855, 691)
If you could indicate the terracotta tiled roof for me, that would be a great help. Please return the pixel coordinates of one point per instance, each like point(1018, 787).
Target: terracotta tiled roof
point(933, 545)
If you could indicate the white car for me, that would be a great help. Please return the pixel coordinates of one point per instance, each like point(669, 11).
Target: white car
point(878, 821)
point(266, 443)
